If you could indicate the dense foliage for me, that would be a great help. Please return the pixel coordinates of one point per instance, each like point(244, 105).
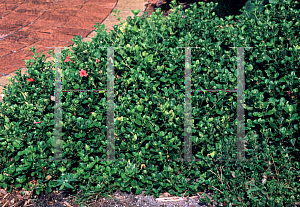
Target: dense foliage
point(149, 89)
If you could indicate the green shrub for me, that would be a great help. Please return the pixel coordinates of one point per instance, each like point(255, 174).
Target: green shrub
point(149, 106)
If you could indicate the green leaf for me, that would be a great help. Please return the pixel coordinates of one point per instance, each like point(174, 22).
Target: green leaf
point(138, 190)
point(123, 175)
point(12, 169)
point(282, 101)
point(140, 107)
point(134, 137)
point(48, 189)
point(16, 144)
point(138, 122)
point(271, 111)
point(19, 169)
point(20, 180)
point(7, 119)
point(163, 79)
point(289, 108)
point(62, 169)
point(292, 141)
point(89, 166)
point(62, 186)
point(68, 185)
point(87, 147)
point(134, 183)
point(161, 133)
point(213, 154)
point(135, 12)
point(282, 80)
point(19, 186)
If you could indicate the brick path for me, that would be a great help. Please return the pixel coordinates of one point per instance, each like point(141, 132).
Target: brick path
point(44, 23)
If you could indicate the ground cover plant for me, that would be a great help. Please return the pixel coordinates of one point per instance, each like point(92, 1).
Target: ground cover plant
point(149, 92)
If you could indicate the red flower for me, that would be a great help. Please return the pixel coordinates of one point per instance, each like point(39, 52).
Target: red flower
point(30, 79)
point(68, 59)
point(97, 61)
point(82, 73)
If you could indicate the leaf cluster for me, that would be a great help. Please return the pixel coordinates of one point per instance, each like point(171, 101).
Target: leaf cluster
point(150, 60)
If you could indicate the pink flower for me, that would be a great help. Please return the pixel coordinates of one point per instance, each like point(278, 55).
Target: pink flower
point(30, 79)
point(38, 122)
point(68, 59)
point(82, 73)
point(97, 61)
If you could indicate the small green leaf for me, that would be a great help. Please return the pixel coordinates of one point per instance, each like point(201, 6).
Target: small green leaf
point(138, 190)
point(6, 119)
point(135, 12)
point(89, 166)
point(283, 80)
point(286, 109)
point(140, 107)
point(138, 122)
point(19, 169)
point(163, 79)
point(250, 67)
point(213, 154)
point(161, 133)
point(16, 144)
point(271, 111)
point(292, 141)
point(21, 180)
point(62, 169)
point(134, 183)
point(62, 186)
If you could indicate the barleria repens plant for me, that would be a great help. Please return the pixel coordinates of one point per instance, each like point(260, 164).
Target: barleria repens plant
point(65, 181)
point(148, 60)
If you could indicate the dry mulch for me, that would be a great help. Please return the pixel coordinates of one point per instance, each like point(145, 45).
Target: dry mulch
point(62, 198)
